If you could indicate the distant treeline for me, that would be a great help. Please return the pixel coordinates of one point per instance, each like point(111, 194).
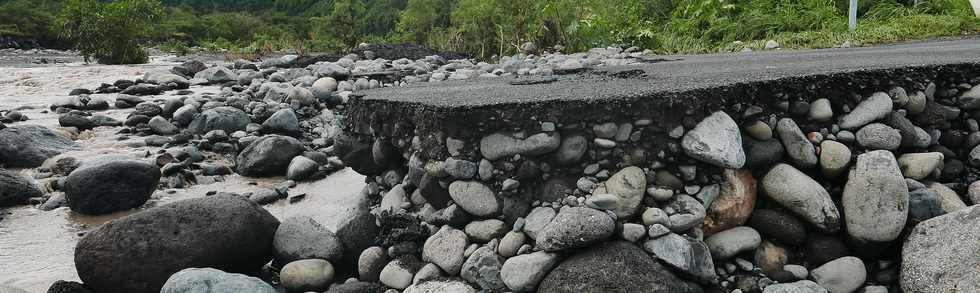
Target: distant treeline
point(486, 28)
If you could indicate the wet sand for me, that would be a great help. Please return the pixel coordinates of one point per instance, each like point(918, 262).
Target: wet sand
point(36, 247)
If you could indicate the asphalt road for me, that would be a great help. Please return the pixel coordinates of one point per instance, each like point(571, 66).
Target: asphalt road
point(679, 74)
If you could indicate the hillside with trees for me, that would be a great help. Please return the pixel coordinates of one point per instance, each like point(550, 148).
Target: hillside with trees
point(486, 28)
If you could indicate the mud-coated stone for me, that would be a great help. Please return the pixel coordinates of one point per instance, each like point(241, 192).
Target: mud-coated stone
point(734, 204)
point(591, 271)
point(137, 253)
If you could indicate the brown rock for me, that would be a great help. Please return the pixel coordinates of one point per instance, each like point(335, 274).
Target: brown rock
point(734, 203)
point(771, 257)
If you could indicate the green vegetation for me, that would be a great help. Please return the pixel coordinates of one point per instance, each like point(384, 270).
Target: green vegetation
point(109, 32)
point(484, 28)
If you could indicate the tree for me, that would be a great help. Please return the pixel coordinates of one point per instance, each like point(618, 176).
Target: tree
point(344, 21)
point(421, 17)
point(109, 32)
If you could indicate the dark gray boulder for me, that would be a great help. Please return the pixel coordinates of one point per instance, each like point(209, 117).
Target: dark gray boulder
point(15, 189)
point(225, 118)
point(614, 267)
point(27, 146)
point(62, 286)
point(303, 238)
point(102, 187)
point(283, 122)
point(268, 156)
point(138, 253)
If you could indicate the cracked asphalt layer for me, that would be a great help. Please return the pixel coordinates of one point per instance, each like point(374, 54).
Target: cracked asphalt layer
point(680, 73)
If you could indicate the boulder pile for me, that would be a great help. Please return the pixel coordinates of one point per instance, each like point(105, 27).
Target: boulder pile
point(780, 192)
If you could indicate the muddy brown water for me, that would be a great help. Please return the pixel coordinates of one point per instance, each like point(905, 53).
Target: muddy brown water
point(37, 247)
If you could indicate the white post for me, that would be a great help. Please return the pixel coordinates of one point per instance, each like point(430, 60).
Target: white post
point(852, 15)
point(976, 7)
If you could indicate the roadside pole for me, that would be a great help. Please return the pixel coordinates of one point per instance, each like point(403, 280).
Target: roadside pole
point(852, 15)
point(976, 7)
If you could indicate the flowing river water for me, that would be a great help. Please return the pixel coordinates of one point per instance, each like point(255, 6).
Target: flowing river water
point(37, 247)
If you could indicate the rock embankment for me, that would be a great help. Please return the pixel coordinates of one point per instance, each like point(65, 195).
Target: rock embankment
point(862, 186)
point(776, 191)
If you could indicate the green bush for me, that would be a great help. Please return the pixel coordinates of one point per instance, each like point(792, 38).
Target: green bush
point(109, 32)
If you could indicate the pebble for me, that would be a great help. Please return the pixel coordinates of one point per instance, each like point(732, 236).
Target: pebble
point(759, 130)
point(835, 158)
point(475, 198)
point(821, 111)
point(575, 227)
point(307, 275)
point(398, 274)
point(485, 230)
point(877, 136)
point(845, 274)
point(878, 106)
point(446, 248)
point(524, 272)
point(627, 186)
point(728, 243)
point(800, 151)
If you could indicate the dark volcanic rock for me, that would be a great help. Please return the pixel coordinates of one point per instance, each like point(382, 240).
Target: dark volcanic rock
point(102, 187)
point(139, 252)
point(357, 287)
point(225, 118)
point(15, 189)
point(26, 146)
point(614, 267)
point(68, 287)
point(268, 156)
point(779, 226)
point(77, 120)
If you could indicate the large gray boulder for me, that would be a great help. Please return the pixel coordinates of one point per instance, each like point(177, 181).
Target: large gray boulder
point(105, 186)
point(16, 189)
point(138, 253)
point(716, 140)
point(268, 156)
point(301, 237)
point(616, 266)
point(208, 280)
point(942, 254)
point(27, 146)
point(224, 118)
point(876, 198)
point(801, 194)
